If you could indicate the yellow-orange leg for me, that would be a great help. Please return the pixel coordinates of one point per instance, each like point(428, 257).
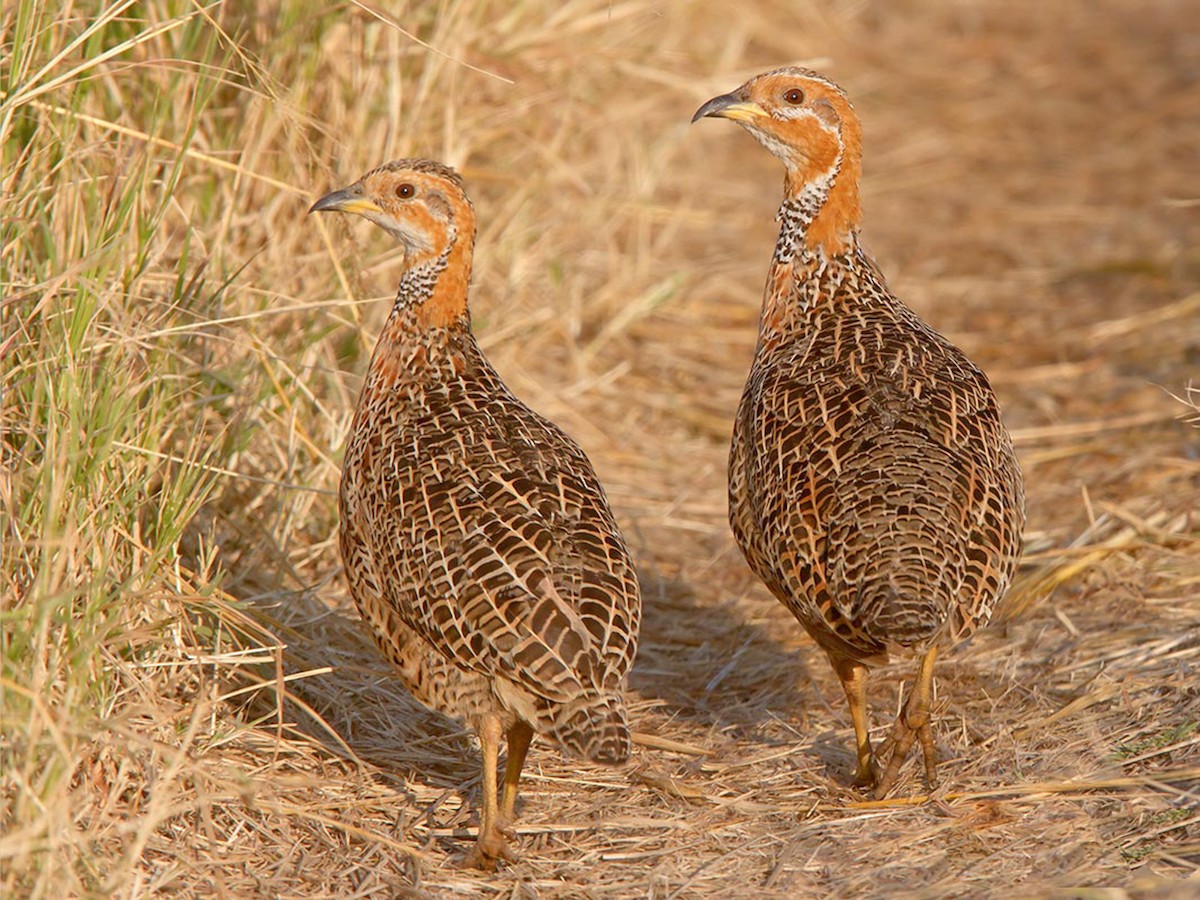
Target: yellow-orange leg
point(853, 676)
point(492, 844)
point(913, 722)
point(519, 737)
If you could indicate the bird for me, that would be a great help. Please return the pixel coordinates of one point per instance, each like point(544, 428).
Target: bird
point(873, 486)
point(475, 535)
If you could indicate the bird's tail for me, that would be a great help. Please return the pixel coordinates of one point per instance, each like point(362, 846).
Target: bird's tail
point(908, 616)
point(595, 727)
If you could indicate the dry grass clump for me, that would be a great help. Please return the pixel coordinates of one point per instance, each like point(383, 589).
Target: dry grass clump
point(189, 704)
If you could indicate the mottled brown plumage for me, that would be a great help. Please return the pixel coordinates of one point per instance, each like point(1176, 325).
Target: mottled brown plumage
point(872, 485)
point(476, 538)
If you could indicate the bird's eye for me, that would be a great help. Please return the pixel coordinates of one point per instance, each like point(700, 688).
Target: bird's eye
point(794, 96)
point(405, 191)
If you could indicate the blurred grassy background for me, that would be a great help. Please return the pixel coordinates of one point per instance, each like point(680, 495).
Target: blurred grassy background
point(180, 350)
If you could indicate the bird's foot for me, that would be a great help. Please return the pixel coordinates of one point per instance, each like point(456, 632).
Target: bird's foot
point(910, 726)
point(866, 775)
point(492, 848)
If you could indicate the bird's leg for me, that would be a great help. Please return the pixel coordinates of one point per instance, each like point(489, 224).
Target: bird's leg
point(853, 676)
point(913, 722)
point(491, 846)
point(519, 737)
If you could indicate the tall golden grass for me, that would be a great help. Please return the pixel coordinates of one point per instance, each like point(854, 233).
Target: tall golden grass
point(188, 704)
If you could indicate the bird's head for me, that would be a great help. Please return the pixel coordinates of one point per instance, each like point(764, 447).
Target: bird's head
point(807, 121)
point(424, 206)
point(802, 117)
point(419, 202)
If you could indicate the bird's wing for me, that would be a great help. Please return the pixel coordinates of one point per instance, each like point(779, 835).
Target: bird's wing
point(881, 484)
point(508, 561)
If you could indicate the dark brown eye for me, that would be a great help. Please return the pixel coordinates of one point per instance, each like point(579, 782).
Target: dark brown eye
point(794, 96)
point(405, 191)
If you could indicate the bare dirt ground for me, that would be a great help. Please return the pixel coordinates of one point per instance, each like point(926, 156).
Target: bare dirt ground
point(1030, 189)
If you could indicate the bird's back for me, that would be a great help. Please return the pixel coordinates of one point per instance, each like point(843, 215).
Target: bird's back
point(872, 484)
point(482, 528)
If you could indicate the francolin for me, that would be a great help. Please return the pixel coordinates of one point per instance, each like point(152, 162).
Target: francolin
point(476, 537)
point(872, 486)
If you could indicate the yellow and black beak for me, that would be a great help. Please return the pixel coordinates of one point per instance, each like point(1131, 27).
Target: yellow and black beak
point(731, 106)
point(349, 200)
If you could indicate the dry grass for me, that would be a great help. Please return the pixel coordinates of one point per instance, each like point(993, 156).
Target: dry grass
point(189, 704)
